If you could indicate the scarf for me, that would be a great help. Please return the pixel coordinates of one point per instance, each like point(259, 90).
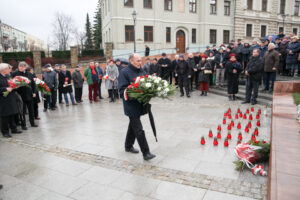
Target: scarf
point(233, 61)
point(93, 69)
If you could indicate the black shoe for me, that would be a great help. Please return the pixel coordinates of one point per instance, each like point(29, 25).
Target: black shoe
point(52, 108)
point(7, 135)
point(100, 97)
point(45, 110)
point(16, 132)
point(181, 95)
point(34, 125)
point(230, 98)
point(24, 128)
point(149, 156)
point(202, 93)
point(1, 186)
point(188, 96)
point(205, 93)
point(132, 150)
point(245, 102)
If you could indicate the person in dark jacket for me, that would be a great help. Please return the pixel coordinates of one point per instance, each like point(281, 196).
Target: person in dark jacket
point(271, 64)
point(245, 54)
point(237, 50)
point(101, 74)
point(252, 47)
point(50, 78)
point(226, 55)
point(58, 89)
point(220, 68)
point(154, 68)
point(192, 66)
point(27, 94)
point(207, 51)
point(8, 104)
point(282, 55)
point(147, 50)
point(214, 49)
point(205, 70)
point(233, 69)
point(165, 64)
point(263, 48)
point(254, 71)
point(78, 84)
point(293, 50)
point(36, 99)
point(174, 63)
point(65, 79)
point(182, 71)
point(146, 66)
point(133, 109)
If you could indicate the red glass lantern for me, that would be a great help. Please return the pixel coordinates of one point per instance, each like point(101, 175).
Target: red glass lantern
point(202, 141)
point(210, 134)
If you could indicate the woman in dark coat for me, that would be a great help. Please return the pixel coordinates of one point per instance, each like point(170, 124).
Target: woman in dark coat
point(8, 104)
point(233, 69)
point(292, 56)
point(65, 83)
point(204, 77)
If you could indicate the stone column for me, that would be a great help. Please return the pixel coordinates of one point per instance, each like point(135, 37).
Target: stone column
point(74, 56)
point(108, 50)
point(1, 59)
point(37, 61)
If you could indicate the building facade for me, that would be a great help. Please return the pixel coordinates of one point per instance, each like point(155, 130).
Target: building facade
point(182, 26)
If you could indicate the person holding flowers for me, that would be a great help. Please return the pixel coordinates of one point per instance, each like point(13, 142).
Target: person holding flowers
point(65, 82)
point(111, 83)
point(36, 99)
point(8, 104)
point(50, 78)
point(133, 108)
point(91, 74)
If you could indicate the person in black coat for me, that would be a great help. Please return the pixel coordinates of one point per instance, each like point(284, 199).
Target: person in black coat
point(165, 64)
point(147, 50)
point(254, 71)
point(8, 104)
point(65, 83)
point(192, 65)
point(282, 53)
point(133, 109)
point(36, 99)
point(205, 70)
point(154, 68)
point(59, 89)
point(233, 69)
point(183, 72)
point(245, 54)
point(220, 68)
point(27, 94)
point(174, 63)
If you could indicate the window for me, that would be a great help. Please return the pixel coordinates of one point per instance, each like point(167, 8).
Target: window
point(148, 33)
point(213, 36)
point(193, 35)
point(128, 3)
point(213, 7)
point(147, 3)
point(249, 30)
point(282, 6)
point(168, 35)
point(168, 5)
point(295, 31)
point(129, 33)
point(226, 34)
point(263, 31)
point(264, 5)
point(192, 6)
point(281, 29)
point(227, 8)
point(297, 5)
point(249, 4)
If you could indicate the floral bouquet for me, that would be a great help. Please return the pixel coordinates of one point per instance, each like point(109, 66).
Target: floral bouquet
point(17, 82)
point(251, 153)
point(105, 77)
point(144, 88)
point(42, 86)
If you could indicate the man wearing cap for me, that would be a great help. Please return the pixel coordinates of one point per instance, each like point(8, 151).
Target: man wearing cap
point(134, 109)
point(182, 71)
point(165, 64)
point(292, 56)
point(50, 78)
point(78, 84)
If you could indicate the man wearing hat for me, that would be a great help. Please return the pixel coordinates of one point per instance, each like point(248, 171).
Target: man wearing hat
point(78, 84)
point(292, 56)
point(50, 78)
point(182, 71)
point(165, 65)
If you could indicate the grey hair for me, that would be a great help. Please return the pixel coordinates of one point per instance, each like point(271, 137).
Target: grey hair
point(23, 64)
point(132, 56)
point(3, 66)
point(272, 44)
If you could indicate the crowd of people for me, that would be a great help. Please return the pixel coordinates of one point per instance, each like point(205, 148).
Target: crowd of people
point(217, 66)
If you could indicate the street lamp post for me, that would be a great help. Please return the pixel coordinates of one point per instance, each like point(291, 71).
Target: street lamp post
point(134, 23)
point(283, 20)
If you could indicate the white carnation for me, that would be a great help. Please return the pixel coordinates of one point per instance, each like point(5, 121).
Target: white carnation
point(166, 90)
point(156, 81)
point(158, 78)
point(166, 83)
point(142, 80)
point(148, 85)
point(159, 89)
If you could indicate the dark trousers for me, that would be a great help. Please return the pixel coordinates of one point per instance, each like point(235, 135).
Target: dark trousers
point(29, 106)
point(171, 78)
point(99, 89)
point(78, 94)
point(50, 100)
point(8, 122)
point(196, 79)
point(135, 131)
point(36, 109)
point(269, 76)
point(183, 80)
point(251, 85)
point(93, 91)
point(112, 94)
point(59, 95)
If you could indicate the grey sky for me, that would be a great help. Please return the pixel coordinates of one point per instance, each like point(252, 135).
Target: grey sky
point(36, 16)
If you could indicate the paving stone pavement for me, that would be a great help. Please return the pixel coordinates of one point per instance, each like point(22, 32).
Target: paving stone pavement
point(77, 153)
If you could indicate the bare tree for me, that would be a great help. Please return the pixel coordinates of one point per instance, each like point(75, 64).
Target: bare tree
point(62, 30)
point(80, 37)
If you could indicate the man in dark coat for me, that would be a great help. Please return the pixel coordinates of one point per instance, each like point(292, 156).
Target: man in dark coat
point(78, 84)
point(147, 50)
point(237, 50)
point(214, 50)
point(233, 69)
point(65, 79)
point(133, 109)
point(165, 64)
point(245, 54)
point(154, 68)
point(207, 51)
point(252, 47)
point(292, 56)
point(254, 71)
point(220, 68)
point(197, 59)
point(59, 89)
point(282, 53)
point(8, 104)
point(174, 63)
point(263, 48)
point(271, 64)
point(50, 78)
point(183, 72)
point(192, 65)
point(27, 94)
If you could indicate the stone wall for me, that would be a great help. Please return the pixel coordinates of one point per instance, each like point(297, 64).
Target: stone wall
point(37, 61)
point(74, 56)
